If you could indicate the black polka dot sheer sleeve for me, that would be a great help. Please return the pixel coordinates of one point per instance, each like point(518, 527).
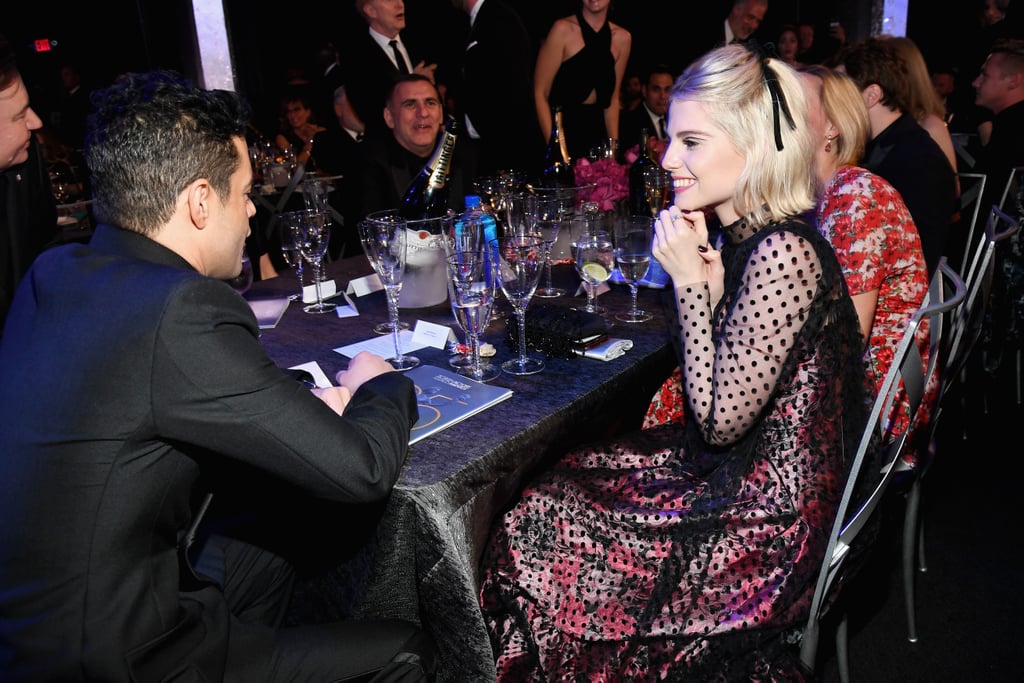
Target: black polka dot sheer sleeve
point(731, 360)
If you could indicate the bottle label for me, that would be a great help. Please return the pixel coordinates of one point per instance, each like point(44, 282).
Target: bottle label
point(439, 176)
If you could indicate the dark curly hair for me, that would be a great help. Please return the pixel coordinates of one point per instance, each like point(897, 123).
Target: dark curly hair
point(149, 136)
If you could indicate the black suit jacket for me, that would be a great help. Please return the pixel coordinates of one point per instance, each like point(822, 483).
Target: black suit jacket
point(496, 92)
point(126, 375)
point(913, 163)
point(631, 123)
point(368, 74)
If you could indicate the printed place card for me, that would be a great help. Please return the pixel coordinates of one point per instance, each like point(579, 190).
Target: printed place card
point(361, 286)
point(432, 334)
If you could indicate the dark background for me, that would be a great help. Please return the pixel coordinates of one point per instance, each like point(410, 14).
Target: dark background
point(135, 35)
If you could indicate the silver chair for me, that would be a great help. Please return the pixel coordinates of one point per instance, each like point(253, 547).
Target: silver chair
point(972, 189)
point(962, 336)
point(877, 456)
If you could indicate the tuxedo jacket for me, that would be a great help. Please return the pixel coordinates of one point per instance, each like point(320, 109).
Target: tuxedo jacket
point(127, 374)
point(368, 74)
point(496, 91)
point(631, 123)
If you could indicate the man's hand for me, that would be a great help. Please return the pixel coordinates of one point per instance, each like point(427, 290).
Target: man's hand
point(425, 69)
point(365, 366)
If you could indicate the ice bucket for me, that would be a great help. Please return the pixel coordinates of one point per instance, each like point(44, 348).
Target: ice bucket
point(424, 282)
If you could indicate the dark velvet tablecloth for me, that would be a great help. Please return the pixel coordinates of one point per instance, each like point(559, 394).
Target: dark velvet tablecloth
point(422, 561)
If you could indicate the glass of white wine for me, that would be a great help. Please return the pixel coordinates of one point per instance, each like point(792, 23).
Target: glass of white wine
point(633, 236)
point(657, 184)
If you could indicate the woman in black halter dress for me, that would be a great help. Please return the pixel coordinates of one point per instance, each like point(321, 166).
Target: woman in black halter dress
point(580, 68)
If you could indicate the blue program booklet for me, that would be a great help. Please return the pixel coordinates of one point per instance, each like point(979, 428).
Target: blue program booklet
point(445, 397)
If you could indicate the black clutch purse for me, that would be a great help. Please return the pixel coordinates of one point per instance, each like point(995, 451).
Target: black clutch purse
point(557, 331)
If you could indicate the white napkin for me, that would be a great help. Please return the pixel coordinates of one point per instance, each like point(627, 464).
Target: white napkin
point(610, 349)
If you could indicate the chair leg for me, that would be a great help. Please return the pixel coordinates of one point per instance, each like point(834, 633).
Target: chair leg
point(910, 540)
point(843, 650)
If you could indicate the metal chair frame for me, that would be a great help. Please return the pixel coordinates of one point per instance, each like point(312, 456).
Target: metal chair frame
point(908, 374)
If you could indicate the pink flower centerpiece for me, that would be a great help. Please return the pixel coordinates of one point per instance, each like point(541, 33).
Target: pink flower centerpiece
point(603, 181)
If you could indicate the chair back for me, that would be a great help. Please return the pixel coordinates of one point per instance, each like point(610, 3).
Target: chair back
point(972, 189)
point(879, 448)
point(968, 322)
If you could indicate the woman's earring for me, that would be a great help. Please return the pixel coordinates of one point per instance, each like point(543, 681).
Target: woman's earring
point(828, 144)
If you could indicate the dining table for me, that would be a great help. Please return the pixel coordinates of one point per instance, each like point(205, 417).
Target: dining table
point(421, 562)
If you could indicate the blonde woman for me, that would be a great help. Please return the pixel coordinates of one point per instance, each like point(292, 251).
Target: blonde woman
point(686, 554)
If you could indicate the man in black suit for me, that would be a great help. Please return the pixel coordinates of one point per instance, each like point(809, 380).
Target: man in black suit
point(650, 114)
point(132, 372)
point(414, 116)
point(336, 152)
point(327, 80)
point(494, 98)
point(900, 150)
point(28, 216)
point(371, 62)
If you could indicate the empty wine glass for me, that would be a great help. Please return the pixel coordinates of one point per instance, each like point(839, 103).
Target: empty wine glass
point(287, 231)
point(366, 233)
point(546, 215)
point(633, 236)
point(471, 290)
point(595, 259)
point(312, 235)
point(520, 261)
point(385, 240)
point(657, 184)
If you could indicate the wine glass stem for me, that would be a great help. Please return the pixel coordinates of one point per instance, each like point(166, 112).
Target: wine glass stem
point(633, 310)
point(298, 274)
point(474, 341)
point(393, 317)
point(521, 319)
point(547, 268)
point(316, 282)
point(591, 294)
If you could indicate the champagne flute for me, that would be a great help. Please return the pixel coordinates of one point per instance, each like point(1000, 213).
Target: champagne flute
point(312, 236)
point(519, 263)
point(366, 237)
point(657, 184)
point(546, 212)
point(471, 290)
point(287, 230)
point(386, 240)
point(633, 236)
point(595, 259)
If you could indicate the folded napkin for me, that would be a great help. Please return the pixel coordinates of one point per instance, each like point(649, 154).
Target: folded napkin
point(610, 349)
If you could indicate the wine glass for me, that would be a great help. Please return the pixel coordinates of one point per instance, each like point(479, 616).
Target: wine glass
point(657, 183)
point(366, 233)
point(520, 261)
point(546, 213)
point(471, 290)
point(595, 259)
point(287, 230)
point(385, 240)
point(633, 236)
point(243, 281)
point(311, 236)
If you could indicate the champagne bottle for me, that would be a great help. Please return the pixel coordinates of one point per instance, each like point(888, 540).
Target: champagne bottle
point(638, 205)
point(557, 164)
point(427, 194)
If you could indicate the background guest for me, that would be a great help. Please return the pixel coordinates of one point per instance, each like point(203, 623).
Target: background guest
point(297, 126)
point(579, 67)
point(327, 80)
point(336, 153)
point(108, 454)
point(650, 114)
point(28, 217)
point(371, 62)
point(414, 117)
point(924, 104)
point(787, 44)
point(495, 94)
point(900, 150)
